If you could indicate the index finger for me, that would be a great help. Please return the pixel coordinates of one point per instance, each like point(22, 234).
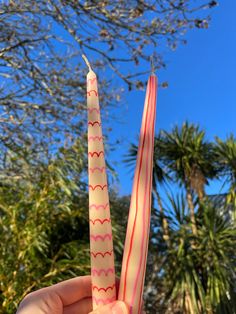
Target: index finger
point(72, 290)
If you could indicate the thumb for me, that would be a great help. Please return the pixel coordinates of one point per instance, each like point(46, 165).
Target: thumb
point(117, 307)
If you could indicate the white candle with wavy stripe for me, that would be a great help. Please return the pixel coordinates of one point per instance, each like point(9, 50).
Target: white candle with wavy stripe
point(137, 235)
point(101, 244)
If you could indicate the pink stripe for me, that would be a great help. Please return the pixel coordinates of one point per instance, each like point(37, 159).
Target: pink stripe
point(97, 207)
point(101, 237)
point(147, 188)
point(98, 272)
point(94, 138)
point(92, 80)
point(90, 110)
point(135, 190)
point(103, 301)
point(101, 169)
point(154, 78)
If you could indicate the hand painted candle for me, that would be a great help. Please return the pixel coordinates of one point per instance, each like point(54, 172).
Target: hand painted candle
point(137, 234)
point(101, 244)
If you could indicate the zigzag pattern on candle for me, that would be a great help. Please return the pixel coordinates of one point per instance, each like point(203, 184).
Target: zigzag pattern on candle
point(102, 221)
point(104, 289)
point(94, 138)
point(101, 237)
point(102, 187)
point(92, 123)
point(103, 301)
point(100, 169)
point(98, 272)
point(92, 90)
point(91, 154)
point(103, 254)
point(92, 80)
point(90, 110)
point(97, 207)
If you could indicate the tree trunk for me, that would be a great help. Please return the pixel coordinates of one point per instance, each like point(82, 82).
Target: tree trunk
point(188, 303)
point(201, 195)
point(165, 226)
point(191, 209)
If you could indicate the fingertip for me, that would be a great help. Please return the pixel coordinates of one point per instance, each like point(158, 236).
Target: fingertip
point(120, 307)
point(117, 307)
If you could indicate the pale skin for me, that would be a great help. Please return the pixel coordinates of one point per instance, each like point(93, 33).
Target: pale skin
point(72, 296)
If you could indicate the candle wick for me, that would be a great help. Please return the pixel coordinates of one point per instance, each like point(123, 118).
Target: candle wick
point(87, 62)
point(152, 65)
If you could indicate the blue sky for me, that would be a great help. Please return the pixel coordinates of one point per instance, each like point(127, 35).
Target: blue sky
point(202, 89)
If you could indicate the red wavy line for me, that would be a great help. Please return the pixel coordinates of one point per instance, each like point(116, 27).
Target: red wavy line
point(92, 90)
point(99, 220)
point(96, 153)
point(94, 138)
point(103, 270)
point(104, 289)
point(104, 301)
point(99, 206)
point(102, 254)
point(102, 237)
point(92, 123)
point(101, 169)
point(90, 110)
point(102, 187)
point(92, 80)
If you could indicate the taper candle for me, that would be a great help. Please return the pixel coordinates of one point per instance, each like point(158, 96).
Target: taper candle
point(101, 243)
point(137, 234)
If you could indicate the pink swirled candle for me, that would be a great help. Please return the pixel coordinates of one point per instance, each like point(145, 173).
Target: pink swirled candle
point(101, 244)
point(137, 234)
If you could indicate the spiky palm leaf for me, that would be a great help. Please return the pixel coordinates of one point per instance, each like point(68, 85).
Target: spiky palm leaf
point(201, 280)
point(188, 156)
point(226, 159)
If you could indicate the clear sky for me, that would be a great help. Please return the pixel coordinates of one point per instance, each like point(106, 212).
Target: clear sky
point(202, 89)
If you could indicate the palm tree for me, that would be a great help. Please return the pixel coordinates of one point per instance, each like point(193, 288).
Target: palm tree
point(160, 177)
point(193, 273)
point(200, 281)
point(189, 157)
point(226, 160)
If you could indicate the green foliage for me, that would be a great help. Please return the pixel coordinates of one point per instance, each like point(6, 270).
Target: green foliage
point(200, 280)
point(43, 228)
point(226, 158)
point(188, 155)
point(191, 263)
point(43, 197)
point(44, 225)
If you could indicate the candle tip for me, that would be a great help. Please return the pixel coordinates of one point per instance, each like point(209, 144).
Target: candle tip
point(87, 62)
point(152, 65)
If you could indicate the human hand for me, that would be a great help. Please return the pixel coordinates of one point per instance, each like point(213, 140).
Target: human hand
point(73, 296)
